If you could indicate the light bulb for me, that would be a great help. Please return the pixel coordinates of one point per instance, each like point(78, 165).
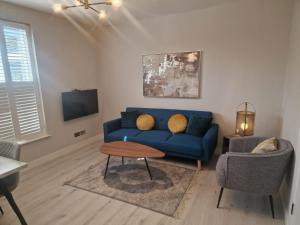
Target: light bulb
point(102, 14)
point(244, 126)
point(116, 3)
point(57, 8)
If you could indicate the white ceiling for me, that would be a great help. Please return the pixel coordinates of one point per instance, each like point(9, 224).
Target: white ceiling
point(138, 8)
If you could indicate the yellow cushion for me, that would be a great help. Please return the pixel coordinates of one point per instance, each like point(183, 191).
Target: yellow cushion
point(266, 146)
point(145, 122)
point(177, 123)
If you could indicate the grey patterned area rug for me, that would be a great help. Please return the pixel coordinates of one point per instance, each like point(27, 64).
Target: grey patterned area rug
point(131, 183)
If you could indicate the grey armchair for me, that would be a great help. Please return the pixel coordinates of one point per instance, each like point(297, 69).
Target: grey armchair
point(8, 184)
point(10, 150)
point(262, 174)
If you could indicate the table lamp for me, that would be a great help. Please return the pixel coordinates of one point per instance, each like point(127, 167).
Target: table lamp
point(245, 119)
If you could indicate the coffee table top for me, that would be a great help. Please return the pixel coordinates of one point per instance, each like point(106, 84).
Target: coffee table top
point(131, 150)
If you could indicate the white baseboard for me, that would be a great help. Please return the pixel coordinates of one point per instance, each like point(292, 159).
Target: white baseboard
point(66, 150)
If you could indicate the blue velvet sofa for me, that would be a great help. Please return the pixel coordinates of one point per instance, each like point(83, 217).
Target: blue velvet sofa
point(182, 145)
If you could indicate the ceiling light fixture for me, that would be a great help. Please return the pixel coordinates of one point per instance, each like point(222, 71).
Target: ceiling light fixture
point(58, 8)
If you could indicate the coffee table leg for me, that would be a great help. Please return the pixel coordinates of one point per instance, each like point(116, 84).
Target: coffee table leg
point(106, 166)
point(148, 168)
point(123, 160)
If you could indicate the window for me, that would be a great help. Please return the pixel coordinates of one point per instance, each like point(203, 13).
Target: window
point(21, 109)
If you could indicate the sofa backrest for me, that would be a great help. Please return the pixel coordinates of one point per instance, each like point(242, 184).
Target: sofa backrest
point(162, 116)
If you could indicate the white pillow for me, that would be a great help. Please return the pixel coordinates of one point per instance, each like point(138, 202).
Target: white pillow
point(266, 146)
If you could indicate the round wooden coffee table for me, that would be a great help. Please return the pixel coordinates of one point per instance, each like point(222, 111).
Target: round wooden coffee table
point(130, 150)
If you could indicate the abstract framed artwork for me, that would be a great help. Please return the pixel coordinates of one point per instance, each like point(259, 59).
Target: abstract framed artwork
point(172, 75)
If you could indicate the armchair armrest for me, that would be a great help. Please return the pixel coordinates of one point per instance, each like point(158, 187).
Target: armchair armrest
point(210, 141)
point(111, 126)
point(244, 144)
point(256, 173)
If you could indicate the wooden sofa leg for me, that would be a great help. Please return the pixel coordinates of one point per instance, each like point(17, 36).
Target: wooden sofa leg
point(199, 164)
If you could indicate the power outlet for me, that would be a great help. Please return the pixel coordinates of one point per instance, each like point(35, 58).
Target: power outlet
point(79, 133)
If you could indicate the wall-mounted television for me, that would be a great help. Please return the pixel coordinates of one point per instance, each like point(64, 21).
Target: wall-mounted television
point(79, 103)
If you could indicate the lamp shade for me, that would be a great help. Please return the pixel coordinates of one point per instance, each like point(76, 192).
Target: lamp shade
point(245, 120)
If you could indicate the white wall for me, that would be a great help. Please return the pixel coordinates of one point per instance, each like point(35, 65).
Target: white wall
point(291, 112)
point(66, 60)
point(244, 46)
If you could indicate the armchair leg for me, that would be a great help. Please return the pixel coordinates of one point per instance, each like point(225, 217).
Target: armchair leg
point(11, 201)
point(220, 196)
point(272, 206)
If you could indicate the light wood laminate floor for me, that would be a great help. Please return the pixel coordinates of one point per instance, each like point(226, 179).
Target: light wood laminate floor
point(44, 200)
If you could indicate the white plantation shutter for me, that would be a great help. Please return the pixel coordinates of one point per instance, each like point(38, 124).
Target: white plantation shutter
point(7, 131)
point(2, 76)
point(27, 109)
point(21, 109)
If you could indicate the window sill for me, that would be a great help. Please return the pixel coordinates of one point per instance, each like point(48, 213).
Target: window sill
point(33, 140)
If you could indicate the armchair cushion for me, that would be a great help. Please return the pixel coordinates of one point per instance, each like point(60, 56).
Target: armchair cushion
point(266, 146)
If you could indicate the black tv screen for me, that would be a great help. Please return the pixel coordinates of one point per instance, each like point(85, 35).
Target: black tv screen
point(79, 103)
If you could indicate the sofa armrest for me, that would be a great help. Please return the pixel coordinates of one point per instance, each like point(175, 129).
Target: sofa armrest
point(210, 141)
point(111, 126)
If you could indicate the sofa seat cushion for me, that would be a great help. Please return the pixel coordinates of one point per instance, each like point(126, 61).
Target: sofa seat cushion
point(121, 133)
point(154, 136)
point(189, 144)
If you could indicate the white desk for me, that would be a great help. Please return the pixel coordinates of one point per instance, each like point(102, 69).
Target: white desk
point(9, 167)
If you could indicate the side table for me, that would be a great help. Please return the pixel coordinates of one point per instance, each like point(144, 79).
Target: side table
point(226, 142)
